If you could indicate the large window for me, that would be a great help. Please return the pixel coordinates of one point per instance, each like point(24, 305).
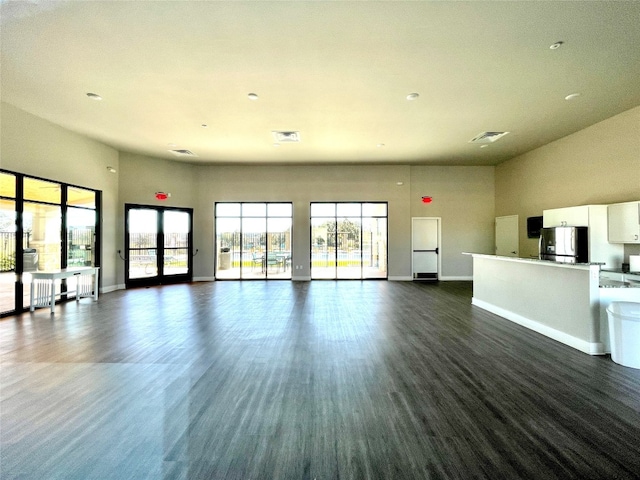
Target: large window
point(253, 240)
point(44, 225)
point(348, 240)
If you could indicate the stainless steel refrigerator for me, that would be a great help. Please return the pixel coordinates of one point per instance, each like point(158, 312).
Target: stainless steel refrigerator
point(565, 244)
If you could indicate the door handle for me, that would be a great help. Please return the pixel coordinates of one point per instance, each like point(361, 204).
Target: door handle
point(434, 250)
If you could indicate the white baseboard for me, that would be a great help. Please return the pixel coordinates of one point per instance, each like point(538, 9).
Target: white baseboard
point(112, 288)
point(592, 348)
point(409, 278)
point(301, 278)
point(456, 278)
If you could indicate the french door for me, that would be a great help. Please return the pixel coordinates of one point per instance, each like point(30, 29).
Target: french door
point(158, 245)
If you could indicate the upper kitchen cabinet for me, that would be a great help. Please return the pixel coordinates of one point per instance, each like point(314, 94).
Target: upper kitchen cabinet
point(624, 222)
point(569, 216)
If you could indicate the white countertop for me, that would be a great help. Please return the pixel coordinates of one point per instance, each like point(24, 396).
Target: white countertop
point(546, 263)
point(603, 283)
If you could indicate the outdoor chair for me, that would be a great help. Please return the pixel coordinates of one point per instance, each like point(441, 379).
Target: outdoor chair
point(258, 261)
point(273, 260)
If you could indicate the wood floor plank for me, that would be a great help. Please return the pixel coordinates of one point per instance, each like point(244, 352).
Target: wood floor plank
point(305, 380)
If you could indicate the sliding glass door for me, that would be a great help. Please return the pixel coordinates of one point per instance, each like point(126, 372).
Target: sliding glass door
point(158, 245)
point(348, 240)
point(253, 240)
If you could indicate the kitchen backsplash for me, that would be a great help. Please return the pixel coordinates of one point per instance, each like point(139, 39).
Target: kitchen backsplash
point(631, 249)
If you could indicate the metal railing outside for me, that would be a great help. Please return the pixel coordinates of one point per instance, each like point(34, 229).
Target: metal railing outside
point(8, 250)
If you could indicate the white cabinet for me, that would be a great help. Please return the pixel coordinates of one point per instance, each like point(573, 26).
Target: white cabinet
point(594, 217)
point(624, 222)
point(566, 217)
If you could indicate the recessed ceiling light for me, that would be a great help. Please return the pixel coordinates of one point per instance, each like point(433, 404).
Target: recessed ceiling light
point(94, 96)
point(488, 137)
point(484, 146)
point(253, 96)
point(286, 137)
point(183, 153)
point(399, 183)
point(413, 96)
point(572, 96)
point(204, 125)
point(556, 45)
point(111, 169)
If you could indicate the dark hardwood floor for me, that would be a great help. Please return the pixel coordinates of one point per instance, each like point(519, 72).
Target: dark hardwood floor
point(305, 380)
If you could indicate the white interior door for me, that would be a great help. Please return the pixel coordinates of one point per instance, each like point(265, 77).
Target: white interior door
point(425, 245)
point(507, 240)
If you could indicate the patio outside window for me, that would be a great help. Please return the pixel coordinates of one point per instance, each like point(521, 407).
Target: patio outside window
point(349, 240)
point(253, 240)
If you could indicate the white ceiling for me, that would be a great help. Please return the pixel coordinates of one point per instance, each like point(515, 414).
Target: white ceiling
point(337, 72)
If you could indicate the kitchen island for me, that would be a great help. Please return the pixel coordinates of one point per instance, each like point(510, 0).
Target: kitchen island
point(559, 300)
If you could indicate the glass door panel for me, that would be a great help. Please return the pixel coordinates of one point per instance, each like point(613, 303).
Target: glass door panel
point(228, 255)
point(81, 197)
point(42, 226)
point(254, 209)
point(278, 258)
point(323, 247)
point(280, 210)
point(349, 248)
point(42, 190)
point(254, 247)
point(7, 185)
point(374, 210)
point(81, 226)
point(374, 248)
point(142, 243)
point(8, 254)
point(176, 229)
point(323, 209)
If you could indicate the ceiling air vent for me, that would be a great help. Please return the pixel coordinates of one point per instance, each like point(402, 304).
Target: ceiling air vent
point(183, 153)
point(286, 137)
point(487, 137)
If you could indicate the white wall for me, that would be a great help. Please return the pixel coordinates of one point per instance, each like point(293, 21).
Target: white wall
point(597, 165)
point(600, 164)
point(463, 196)
point(37, 147)
point(303, 185)
point(140, 178)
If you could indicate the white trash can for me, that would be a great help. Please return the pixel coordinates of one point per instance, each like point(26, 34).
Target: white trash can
point(624, 332)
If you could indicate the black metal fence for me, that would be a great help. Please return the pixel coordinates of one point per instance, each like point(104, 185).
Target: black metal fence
point(8, 250)
point(272, 241)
